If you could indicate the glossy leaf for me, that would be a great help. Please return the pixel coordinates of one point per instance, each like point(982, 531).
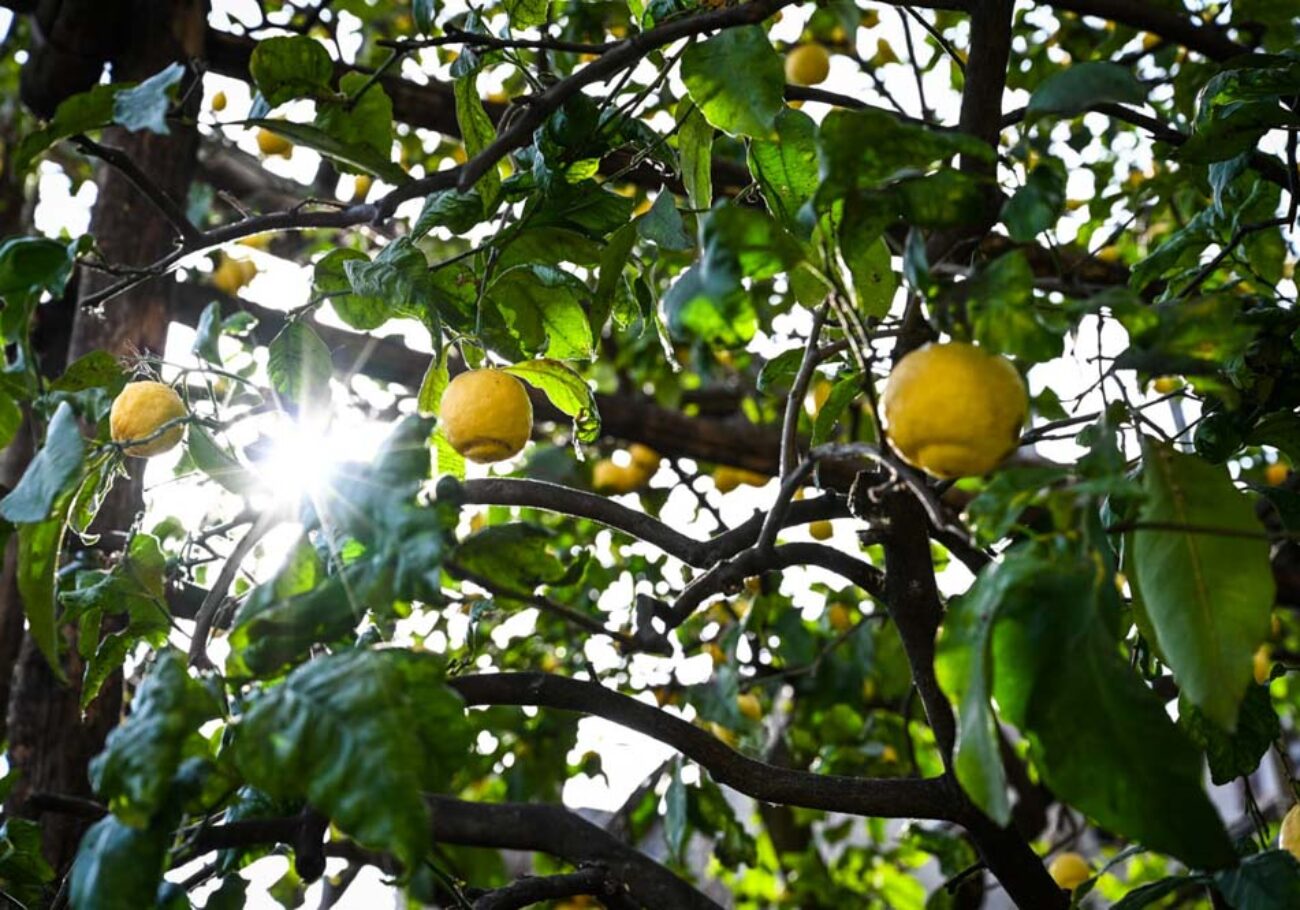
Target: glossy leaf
point(542, 310)
point(51, 472)
point(566, 390)
point(288, 67)
point(786, 167)
point(738, 106)
point(362, 312)
point(1085, 85)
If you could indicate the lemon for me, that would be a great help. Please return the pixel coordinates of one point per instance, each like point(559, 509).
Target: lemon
point(750, 706)
point(1289, 838)
point(232, 274)
point(1069, 871)
point(1166, 384)
point(644, 457)
point(841, 617)
point(821, 530)
point(269, 143)
point(727, 478)
point(954, 410)
point(1263, 664)
point(727, 736)
point(1276, 473)
point(486, 415)
point(889, 755)
point(219, 102)
point(807, 64)
point(139, 410)
point(607, 477)
point(361, 188)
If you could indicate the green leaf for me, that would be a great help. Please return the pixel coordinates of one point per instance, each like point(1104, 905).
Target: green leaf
point(477, 132)
point(30, 266)
point(452, 209)
point(739, 105)
point(1208, 596)
point(675, 828)
point(299, 366)
point(446, 460)
point(565, 389)
point(695, 154)
point(1085, 85)
point(81, 113)
point(288, 67)
point(1265, 881)
point(360, 735)
point(1036, 632)
point(1037, 205)
point(663, 225)
point(786, 167)
point(516, 555)
point(96, 370)
point(871, 266)
point(424, 10)
point(207, 334)
point(50, 474)
point(352, 157)
point(1233, 755)
point(1146, 895)
point(435, 381)
point(215, 461)
point(11, 418)
point(23, 868)
point(39, 546)
point(141, 755)
point(613, 259)
point(1006, 316)
point(363, 121)
point(777, 375)
point(118, 867)
point(585, 207)
point(362, 312)
point(526, 13)
point(399, 276)
point(145, 106)
point(842, 394)
point(542, 308)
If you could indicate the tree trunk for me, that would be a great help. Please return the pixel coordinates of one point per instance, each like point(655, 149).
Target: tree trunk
point(51, 743)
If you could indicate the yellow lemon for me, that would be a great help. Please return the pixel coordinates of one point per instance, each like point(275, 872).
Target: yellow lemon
point(258, 241)
point(486, 415)
point(607, 477)
point(750, 706)
point(727, 736)
point(140, 410)
point(219, 102)
point(269, 143)
point(644, 457)
point(954, 410)
point(232, 274)
point(889, 755)
point(1263, 664)
point(821, 530)
point(1289, 838)
point(807, 64)
point(1276, 473)
point(1150, 41)
point(727, 478)
point(361, 188)
point(1069, 871)
point(1166, 384)
point(840, 617)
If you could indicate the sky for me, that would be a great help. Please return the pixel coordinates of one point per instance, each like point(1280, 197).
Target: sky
point(302, 458)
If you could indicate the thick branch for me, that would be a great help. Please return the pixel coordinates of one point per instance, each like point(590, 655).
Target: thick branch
point(1205, 39)
point(882, 798)
point(533, 889)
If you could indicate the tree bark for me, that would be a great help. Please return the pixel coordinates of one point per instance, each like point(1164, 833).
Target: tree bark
point(51, 742)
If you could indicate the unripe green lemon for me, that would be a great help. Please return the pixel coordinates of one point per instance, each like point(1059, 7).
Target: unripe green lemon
point(954, 410)
point(486, 415)
point(1069, 871)
point(807, 64)
point(139, 410)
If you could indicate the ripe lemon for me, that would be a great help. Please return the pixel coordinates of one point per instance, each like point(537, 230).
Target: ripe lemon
point(954, 410)
point(232, 274)
point(607, 477)
point(1263, 663)
point(841, 617)
point(821, 530)
point(750, 706)
point(1276, 473)
point(361, 188)
point(1069, 871)
point(1289, 838)
point(219, 102)
point(269, 144)
point(644, 457)
point(727, 478)
point(139, 410)
point(486, 415)
point(1166, 384)
point(889, 755)
point(807, 64)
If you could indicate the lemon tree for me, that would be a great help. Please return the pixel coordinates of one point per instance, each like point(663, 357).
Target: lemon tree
point(882, 415)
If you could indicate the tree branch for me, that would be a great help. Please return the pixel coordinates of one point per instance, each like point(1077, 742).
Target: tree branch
point(532, 889)
point(1204, 39)
point(147, 186)
point(930, 798)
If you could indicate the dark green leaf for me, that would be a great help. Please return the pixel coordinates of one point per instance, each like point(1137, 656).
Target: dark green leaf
point(360, 311)
point(215, 461)
point(23, 868)
point(526, 13)
point(145, 106)
point(737, 81)
point(1208, 596)
point(423, 11)
point(675, 829)
point(786, 167)
point(299, 365)
point(695, 153)
point(39, 546)
point(843, 392)
point(1146, 895)
point(566, 390)
point(1266, 881)
point(1037, 205)
point(1007, 317)
point(452, 209)
point(288, 67)
point(871, 266)
point(96, 370)
point(207, 334)
point(516, 555)
point(477, 132)
point(81, 113)
point(365, 120)
point(32, 265)
point(1233, 755)
point(663, 225)
point(50, 474)
point(1085, 85)
point(117, 867)
point(542, 308)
